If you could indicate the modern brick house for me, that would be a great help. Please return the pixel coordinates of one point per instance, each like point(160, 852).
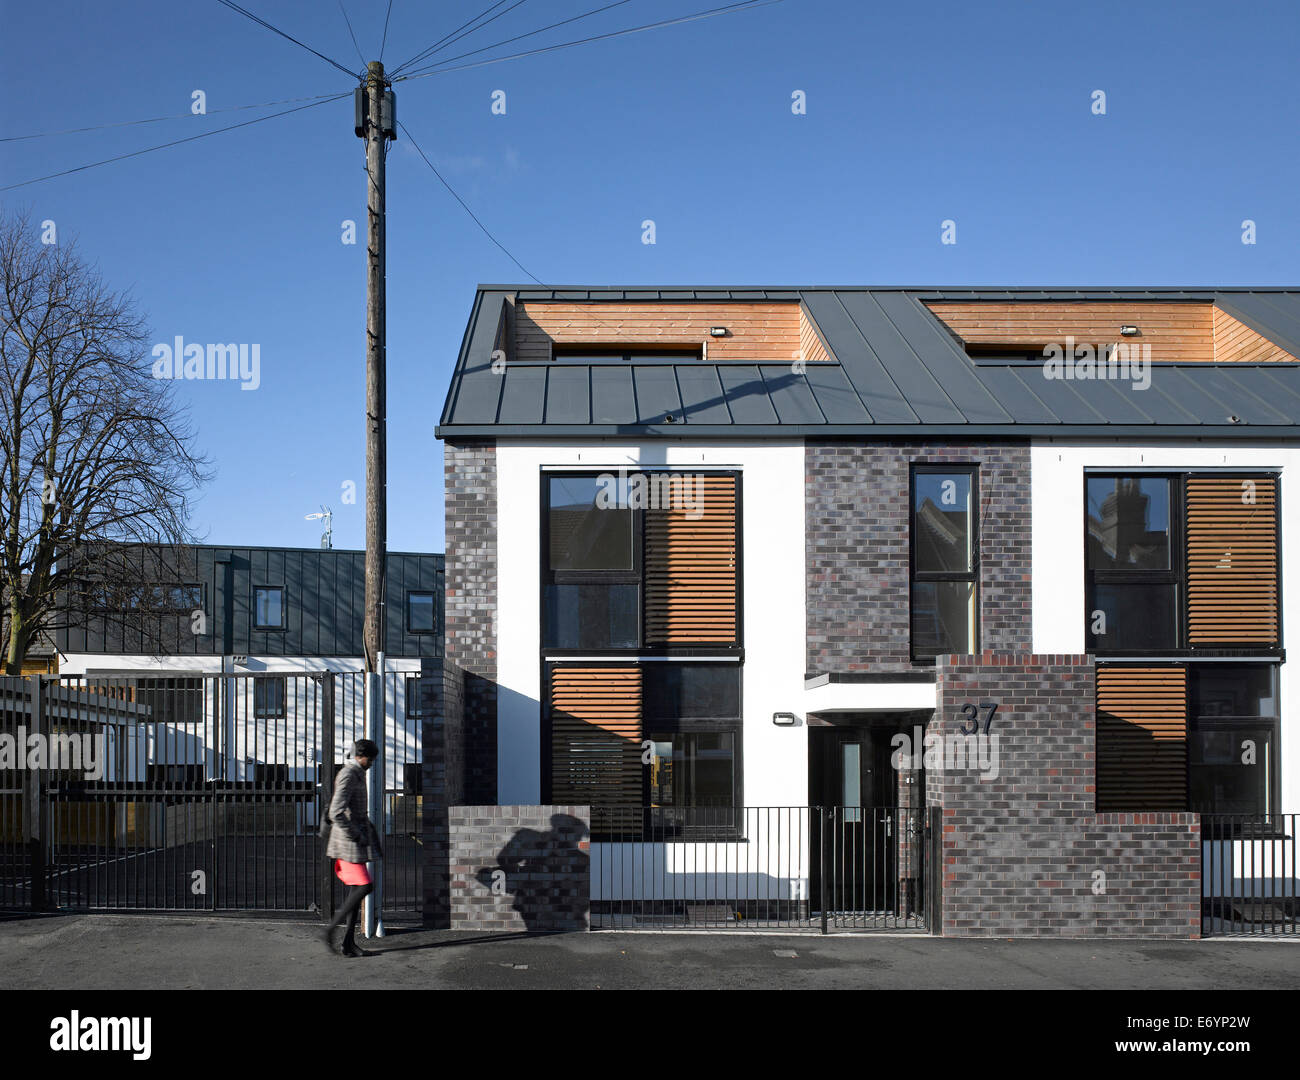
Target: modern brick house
point(977, 594)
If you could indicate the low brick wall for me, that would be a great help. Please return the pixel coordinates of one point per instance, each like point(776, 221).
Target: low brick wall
point(1024, 852)
point(510, 868)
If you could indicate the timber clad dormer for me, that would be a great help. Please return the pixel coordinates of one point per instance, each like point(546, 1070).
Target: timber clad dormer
point(1182, 332)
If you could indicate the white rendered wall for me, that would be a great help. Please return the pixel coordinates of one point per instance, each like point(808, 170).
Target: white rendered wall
point(1058, 582)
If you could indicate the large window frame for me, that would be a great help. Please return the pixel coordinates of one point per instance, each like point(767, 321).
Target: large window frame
point(1177, 575)
point(922, 577)
point(636, 576)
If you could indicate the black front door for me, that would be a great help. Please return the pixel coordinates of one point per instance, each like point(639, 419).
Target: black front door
point(854, 842)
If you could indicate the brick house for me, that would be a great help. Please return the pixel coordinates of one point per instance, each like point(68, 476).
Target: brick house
point(976, 593)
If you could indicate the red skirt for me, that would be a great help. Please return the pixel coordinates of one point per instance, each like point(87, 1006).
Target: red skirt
point(352, 873)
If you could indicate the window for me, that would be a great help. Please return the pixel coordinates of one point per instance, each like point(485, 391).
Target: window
point(944, 563)
point(172, 700)
point(1180, 562)
point(414, 711)
point(421, 613)
point(640, 560)
point(1233, 726)
point(1133, 576)
point(269, 697)
point(268, 607)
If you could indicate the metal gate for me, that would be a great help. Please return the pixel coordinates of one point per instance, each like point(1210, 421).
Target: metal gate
point(818, 868)
point(1250, 876)
point(196, 792)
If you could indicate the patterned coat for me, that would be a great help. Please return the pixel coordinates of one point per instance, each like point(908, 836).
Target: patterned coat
point(353, 838)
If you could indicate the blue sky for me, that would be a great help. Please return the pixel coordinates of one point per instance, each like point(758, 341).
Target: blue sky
point(976, 113)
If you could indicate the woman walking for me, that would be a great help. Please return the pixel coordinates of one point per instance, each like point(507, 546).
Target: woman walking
point(353, 842)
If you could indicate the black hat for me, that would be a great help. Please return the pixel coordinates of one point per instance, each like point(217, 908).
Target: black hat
point(365, 748)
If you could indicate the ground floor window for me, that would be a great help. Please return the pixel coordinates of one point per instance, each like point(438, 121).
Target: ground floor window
point(1232, 739)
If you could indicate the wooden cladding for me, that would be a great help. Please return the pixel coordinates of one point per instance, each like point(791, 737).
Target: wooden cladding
point(596, 735)
point(1141, 738)
point(1237, 343)
point(757, 332)
point(1188, 332)
point(1232, 560)
point(690, 565)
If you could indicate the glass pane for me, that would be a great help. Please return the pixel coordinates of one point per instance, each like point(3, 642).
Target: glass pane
point(1128, 522)
point(690, 691)
point(1233, 690)
point(1139, 617)
point(661, 772)
point(591, 617)
point(852, 782)
point(693, 769)
point(590, 528)
point(1230, 767)
point(268, 607)
point(714, 770)
point(941, 525)
point(943, 617)
point(419, 612)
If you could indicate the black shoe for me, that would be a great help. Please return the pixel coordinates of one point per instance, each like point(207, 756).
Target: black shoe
point(350, 948)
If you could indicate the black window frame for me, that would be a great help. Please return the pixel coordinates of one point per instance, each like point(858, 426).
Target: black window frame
point(284, 608)
point(412, 709)
point(1178, 558)
point(1198, 722)
point(262, 712)
point(915, 577)
point(433, 604)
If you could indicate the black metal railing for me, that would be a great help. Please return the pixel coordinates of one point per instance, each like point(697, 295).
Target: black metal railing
point(1250, 876)
point(759, 867)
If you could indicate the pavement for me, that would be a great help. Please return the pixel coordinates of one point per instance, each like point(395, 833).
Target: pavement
point(115, 952)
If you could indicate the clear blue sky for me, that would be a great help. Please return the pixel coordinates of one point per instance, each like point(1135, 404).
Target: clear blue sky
point(978, 113)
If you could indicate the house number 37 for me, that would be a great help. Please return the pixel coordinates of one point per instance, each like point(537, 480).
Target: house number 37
point(971, 714)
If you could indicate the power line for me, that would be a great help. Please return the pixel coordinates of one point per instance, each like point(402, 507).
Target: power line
point(174, 142)
point(385, 38)
point(466, 208)
point(276, 30)
point(351, 34)
point(429, 50)
point(480, 26)
point(531, 33)
point(159, 119)
point(746, 5)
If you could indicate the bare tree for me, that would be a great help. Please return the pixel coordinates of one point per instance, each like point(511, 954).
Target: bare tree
point(96, 452)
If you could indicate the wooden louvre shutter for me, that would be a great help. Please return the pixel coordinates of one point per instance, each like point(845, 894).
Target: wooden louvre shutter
point(1232, 553)
point(690, 565)
point(1141, 738)
point(596, 742)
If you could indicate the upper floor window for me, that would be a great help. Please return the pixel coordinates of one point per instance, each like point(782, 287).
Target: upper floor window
point(944, 599)
point(1181, 561)
point(633, 560)
point(421, 613)
point(268, 607)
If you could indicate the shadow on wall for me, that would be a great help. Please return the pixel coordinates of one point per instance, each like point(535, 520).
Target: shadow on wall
point(547, 873)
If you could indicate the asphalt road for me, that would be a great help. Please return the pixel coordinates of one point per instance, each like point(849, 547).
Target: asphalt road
point(112, 952)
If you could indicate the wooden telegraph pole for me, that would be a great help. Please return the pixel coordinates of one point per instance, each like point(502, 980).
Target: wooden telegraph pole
point(376, 120)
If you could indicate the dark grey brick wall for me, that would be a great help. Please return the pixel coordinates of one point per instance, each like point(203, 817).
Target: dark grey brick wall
point(471, 603)
point(857, 555)
point(512, 868)
point(1023, 853)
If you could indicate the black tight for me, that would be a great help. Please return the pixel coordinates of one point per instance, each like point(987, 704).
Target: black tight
point(349, 910)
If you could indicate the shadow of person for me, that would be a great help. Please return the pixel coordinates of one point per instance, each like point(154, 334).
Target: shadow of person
point(547, 873)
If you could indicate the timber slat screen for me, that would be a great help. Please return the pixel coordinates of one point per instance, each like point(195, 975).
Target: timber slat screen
point(1232, 560)
point(199, 793)
point(690, 556)
point(1141, 738)
point(595, 719)
point(761, 868)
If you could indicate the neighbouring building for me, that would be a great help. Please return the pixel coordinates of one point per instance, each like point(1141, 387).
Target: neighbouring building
point(967, 604)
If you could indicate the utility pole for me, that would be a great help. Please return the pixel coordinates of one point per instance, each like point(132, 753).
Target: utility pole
point(374, 126)
point(375, 121)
